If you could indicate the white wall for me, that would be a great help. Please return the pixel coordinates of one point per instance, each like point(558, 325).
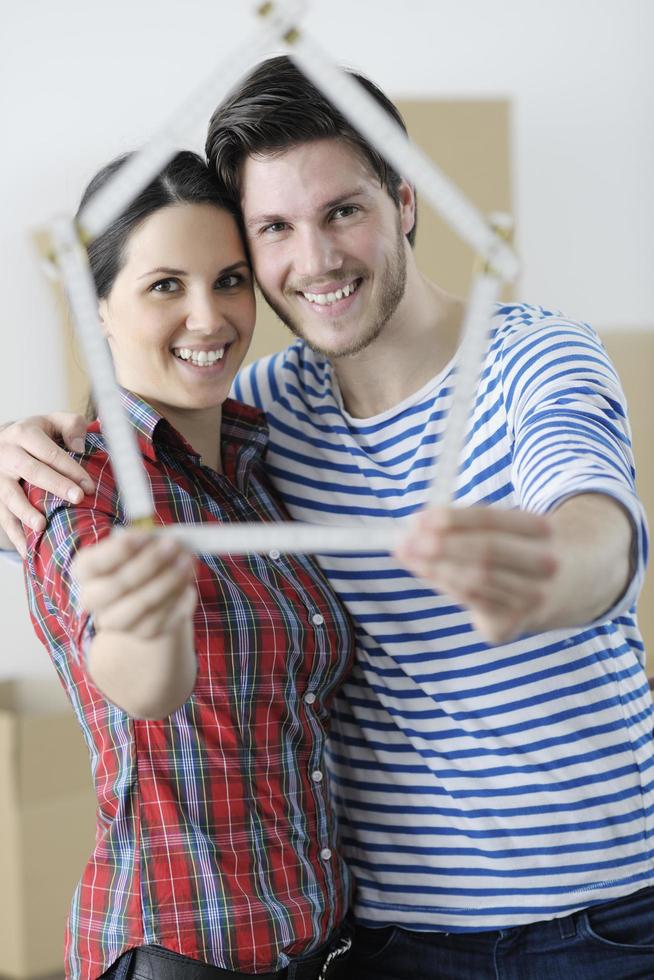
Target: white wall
point(81, 80)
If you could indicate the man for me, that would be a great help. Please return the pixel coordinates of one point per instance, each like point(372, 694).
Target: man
point(496, 801)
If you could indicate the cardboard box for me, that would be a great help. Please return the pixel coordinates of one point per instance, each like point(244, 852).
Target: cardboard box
point(47, 824)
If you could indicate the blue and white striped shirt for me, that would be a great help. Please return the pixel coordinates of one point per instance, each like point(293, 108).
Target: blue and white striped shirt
point(478, 787)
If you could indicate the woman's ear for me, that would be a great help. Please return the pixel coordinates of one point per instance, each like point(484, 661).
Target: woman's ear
point(103, 316)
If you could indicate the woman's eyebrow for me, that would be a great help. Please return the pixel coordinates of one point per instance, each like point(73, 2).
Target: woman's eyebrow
point(168, 271)
point(165, 270)
point(241, 264)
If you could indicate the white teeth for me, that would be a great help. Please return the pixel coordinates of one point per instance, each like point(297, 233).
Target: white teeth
point(201, 358)
point(322, 299)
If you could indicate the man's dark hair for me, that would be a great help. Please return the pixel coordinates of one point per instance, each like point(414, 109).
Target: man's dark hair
point(276, 107)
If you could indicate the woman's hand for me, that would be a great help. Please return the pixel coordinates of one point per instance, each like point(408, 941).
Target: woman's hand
point(140, 590)
point(28, 452)
point(137, 583)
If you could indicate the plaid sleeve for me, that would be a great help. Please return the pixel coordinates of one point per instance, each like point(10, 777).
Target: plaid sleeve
point(568, 422)
point(53, 592)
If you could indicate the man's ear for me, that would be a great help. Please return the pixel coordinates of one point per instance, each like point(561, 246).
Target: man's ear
point(407, 205)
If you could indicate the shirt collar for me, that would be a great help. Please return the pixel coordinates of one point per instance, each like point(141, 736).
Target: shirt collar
point(242, 427)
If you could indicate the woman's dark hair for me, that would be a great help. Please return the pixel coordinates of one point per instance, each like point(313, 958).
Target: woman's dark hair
point(186, 179)
point(276, 107)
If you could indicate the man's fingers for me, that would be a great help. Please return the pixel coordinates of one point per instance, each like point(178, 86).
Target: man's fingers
point(14, 530)
point(504, 591)
point(492, 552)
point(17, 507)
point(519, 522)
point(47, 466)
point(71, 428)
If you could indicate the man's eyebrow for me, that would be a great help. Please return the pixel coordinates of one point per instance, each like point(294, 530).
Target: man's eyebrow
point(270, 219)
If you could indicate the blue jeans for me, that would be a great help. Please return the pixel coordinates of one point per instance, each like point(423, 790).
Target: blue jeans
point(609, 941)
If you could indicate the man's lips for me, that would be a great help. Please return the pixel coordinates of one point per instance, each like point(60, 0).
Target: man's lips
point(332, 299)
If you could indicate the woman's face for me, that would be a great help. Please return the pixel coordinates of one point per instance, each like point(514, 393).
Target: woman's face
point(180, 314)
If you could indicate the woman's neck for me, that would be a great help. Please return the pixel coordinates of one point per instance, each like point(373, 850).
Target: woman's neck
point(200, 428)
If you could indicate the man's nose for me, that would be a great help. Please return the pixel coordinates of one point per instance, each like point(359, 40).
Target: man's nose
point(316, 254)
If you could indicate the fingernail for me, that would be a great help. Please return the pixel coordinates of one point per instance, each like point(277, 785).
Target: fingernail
point(78, 445)
point(74, 495)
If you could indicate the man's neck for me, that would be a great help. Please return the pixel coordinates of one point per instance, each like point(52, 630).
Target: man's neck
point(415, 345)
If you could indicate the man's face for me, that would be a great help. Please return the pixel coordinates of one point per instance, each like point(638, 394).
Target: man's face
point(327, 241)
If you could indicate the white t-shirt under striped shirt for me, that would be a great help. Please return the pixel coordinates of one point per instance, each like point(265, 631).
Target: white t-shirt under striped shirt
point(478, 787)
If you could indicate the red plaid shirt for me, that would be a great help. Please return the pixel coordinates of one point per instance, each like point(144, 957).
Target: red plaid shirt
point(215, 834)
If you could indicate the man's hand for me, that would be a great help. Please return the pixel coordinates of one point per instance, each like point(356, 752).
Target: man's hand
point(28, 452)
point(497, 563)
point(518, 572)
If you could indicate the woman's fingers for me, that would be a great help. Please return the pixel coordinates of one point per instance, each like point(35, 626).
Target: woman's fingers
point(123, 565)
point(153, 602)
point(167, 618)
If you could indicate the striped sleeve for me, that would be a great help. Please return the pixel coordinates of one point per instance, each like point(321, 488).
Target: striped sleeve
point(567, 420)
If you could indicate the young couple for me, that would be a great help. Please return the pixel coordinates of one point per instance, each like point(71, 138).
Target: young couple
point(490, 754)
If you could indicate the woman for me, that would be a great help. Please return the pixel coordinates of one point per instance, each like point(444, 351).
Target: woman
point(202, 687)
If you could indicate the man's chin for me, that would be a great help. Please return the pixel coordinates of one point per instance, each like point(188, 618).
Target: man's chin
point(335, 342)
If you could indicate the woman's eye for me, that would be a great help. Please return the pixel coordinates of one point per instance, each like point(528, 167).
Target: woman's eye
point(230, 281)
point(165, 286)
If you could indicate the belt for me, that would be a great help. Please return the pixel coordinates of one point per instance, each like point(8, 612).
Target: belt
point(157, 963)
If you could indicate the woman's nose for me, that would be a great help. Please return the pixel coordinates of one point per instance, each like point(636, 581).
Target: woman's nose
point(205, 312)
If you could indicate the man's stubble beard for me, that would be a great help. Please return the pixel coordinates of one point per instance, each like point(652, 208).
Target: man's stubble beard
point(393, 285)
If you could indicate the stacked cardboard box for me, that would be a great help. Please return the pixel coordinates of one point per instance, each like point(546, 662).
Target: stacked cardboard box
point(47, 818)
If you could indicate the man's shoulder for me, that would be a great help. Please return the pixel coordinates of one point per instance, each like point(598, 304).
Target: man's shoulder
point(295, 374)
point(511, 319)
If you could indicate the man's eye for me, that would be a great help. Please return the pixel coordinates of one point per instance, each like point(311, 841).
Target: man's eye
point(165, 286)
point(274, 228)
point(345, 211)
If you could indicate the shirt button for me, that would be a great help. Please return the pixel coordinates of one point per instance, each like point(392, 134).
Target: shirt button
point(325, 854)
point(274, 554)
point(309, 697)
point(317, 619)
point(316, 775)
